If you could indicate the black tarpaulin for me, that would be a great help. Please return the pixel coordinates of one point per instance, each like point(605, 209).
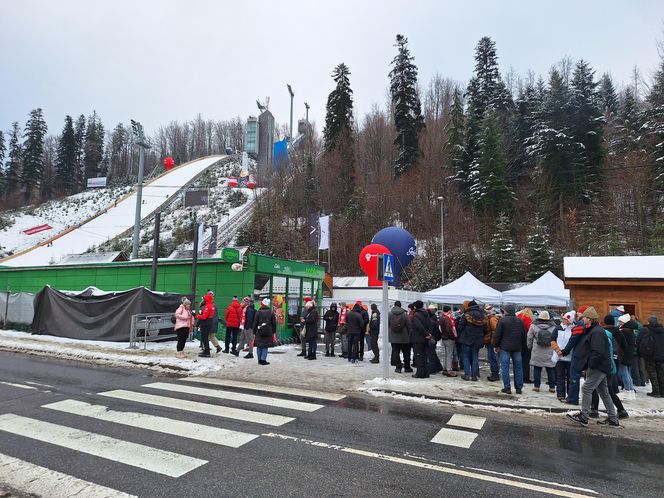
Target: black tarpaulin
point(105, 317)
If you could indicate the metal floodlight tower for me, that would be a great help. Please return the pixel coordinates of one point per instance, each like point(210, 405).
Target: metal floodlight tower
point(142, 144)
point(442, 243)
point(290, 91)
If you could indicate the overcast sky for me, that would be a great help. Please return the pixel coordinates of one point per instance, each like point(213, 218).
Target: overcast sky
point(157, 61)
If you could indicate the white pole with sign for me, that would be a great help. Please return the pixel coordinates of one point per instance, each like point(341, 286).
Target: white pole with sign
point(386, 274)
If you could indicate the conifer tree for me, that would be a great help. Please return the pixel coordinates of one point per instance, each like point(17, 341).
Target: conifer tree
point(608, 99)
point(456, 147)
point(79, 133)
point(489, 191)
point(93, 147)
point(339, 133)
point(33, 151)
point(540, 255)
point(408, 119)
point(65, 166)
point(654, 124)
point(14, 160)
point(339, 110)
point(587, 127)
point(503, 253)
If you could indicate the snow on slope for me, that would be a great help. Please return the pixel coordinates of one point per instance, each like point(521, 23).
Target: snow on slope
point(60, 214)
point(114, 220)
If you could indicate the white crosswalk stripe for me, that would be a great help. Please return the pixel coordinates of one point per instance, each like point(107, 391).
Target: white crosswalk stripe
point(454, 437)
point(467, 421)
point(233, 396)
point(198, 407)
point(224, 437)
point(128, 453)
point(303, 393)
point(39, 481)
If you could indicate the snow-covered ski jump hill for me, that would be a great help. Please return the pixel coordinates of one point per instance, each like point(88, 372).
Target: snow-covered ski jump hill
point(114, 219)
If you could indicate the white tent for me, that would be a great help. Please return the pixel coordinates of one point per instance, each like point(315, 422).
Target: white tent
point(464, 288)
point(548, 290)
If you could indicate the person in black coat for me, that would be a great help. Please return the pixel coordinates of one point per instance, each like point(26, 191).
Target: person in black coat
point(264, 326)
point(626, 326)
point(471, 337)
point(419, 336)
point(509, 341)
point(432, 361)
point(331, 319)
point(650, 345)
point(374, 330)
point(311, 328)
point(365, 333)
point(355, 326)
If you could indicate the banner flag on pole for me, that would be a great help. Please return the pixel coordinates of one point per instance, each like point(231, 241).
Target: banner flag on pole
point(324, 223)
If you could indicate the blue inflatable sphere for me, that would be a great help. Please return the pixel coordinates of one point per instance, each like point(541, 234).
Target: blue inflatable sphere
point(401, 244)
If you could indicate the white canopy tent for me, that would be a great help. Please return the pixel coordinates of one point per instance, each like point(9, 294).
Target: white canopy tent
point(548, 290)
point(464, 288)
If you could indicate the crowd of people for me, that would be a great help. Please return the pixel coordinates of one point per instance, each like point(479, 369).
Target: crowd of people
point(615, 354)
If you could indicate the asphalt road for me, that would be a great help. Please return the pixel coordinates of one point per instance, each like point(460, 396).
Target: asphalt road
point(356, 446)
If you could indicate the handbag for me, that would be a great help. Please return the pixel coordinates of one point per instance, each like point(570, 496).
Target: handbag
point(173, 319)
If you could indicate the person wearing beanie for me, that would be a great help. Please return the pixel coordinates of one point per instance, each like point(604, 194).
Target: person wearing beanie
point(527, 316)
point(509, 341)
point(233, 318)
point(310, 321)
point(431, 357)
point(650, 346)
point(355, 325)
point(471, 337)
point(206, 318)
point(246, 324)
point(539, 342)
point(265, 329)
point(331, 320)
point(598, 359)
point(627, 326)
point(575, 347)
point(342, 328)
point(419, 336)
point(399, 338)
point(616, 313)
point(614, 337)
point(447, 326)
point(184, 324)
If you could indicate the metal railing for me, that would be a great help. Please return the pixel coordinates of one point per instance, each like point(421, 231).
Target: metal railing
point(146, 327)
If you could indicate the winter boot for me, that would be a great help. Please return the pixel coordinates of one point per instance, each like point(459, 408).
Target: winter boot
point(398, 370)
point(204, 354)
point(218, 349)
point(249, 355)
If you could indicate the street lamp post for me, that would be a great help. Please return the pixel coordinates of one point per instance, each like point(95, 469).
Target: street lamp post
point(442, 243)
point(290, 91)
point(306, 106)
point(142, 145)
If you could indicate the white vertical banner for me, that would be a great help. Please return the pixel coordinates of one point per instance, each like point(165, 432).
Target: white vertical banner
point(324, 241)
point(201, 234)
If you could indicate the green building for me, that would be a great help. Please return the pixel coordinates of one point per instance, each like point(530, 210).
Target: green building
point(284, 281)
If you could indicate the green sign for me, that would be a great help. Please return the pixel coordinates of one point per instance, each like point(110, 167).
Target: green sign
point(266, 264)
point(230, 255)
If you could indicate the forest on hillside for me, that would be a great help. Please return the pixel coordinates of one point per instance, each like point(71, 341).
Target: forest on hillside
point(530, 168)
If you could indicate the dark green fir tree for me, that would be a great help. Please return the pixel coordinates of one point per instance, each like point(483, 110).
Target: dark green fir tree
point(14, 161)
point(33, 154)
point(503, 253)
point(408, 119)
point(65, 166)
point(540, 255)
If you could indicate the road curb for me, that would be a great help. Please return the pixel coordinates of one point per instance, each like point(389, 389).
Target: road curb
point(545, 409)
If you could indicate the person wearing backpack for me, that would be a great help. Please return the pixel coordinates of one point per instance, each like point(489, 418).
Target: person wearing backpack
point(264, 327)
point(205, 323)
point(650, 345)
point(539, 342)
point(399, 338)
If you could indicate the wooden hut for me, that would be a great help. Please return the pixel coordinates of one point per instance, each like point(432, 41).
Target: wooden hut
point(636, 282)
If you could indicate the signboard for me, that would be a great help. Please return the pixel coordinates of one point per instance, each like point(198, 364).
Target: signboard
point(196, 197)
point(37, 229)
point(266, 264)
point(97, 182)
point(230, 255)
point(386, 267)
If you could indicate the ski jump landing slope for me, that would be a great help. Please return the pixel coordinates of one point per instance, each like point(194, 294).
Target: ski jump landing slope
point(114, 220)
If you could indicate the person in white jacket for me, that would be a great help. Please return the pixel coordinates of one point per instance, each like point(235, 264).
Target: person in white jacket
point(559, 340)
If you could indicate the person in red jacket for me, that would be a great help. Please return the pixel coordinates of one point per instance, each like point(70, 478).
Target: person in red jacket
point(233, 319)
point(205, 323)
point(526, 316)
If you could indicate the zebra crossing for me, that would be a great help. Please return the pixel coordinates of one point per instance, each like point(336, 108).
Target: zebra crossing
point(456, 437)
point(153, 459)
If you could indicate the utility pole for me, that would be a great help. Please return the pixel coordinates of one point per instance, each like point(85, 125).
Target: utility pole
point(306, 106)
point(155, 250)
point(290, 91)
point(142, 145)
